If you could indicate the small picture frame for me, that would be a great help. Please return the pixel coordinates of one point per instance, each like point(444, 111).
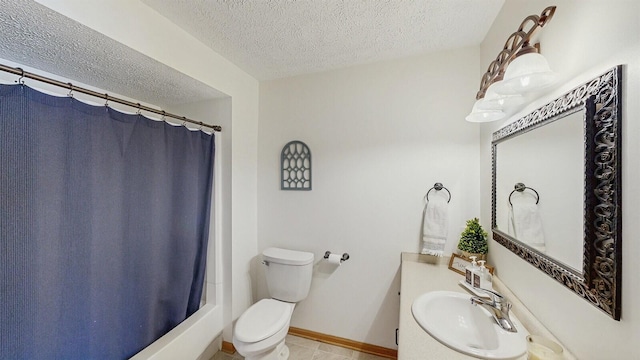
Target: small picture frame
point(458, 264)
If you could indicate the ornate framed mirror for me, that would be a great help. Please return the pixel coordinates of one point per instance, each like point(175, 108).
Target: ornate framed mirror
point(562, 162)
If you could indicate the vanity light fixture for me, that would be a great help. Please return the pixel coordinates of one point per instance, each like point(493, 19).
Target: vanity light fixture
point(526, 73)
point(518, 69)
point(495, 101)
point(484, 115)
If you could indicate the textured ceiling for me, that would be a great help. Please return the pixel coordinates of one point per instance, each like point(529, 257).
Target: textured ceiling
point(35, 36)
point(267, 38)
point(279, 38)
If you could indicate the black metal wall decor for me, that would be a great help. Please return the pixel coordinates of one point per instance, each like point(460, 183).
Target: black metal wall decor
point(295, 162)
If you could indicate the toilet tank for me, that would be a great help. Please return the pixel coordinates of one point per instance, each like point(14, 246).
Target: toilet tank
point(288, 273)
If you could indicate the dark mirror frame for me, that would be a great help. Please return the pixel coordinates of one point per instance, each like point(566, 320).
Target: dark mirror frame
point(600, 281)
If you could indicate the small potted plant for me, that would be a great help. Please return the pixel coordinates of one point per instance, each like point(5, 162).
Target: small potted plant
point(473, 240)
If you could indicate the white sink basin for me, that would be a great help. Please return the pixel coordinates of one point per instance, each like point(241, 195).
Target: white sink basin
point(451, 319)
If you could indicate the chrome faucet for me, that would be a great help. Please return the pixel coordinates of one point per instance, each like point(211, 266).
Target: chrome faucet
point(498, 306)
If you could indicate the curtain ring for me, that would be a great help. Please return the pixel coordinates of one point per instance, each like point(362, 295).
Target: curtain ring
point(106, 103)
point(139, 110)
point(164, 116)
point(20, 81)
point(70, 94)
point(200, 128)
point(184, 121)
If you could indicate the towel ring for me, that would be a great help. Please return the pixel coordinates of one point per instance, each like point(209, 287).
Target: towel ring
point(520, 187)
point(437, 187)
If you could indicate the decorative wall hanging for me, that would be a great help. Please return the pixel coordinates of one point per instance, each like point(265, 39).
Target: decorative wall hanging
point(295, 161)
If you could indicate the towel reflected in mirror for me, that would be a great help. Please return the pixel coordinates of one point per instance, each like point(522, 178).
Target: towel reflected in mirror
point(525, 224)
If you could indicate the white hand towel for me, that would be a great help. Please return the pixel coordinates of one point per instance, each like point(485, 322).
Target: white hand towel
point(527, 225)
point(435, 224)
point(511, 231)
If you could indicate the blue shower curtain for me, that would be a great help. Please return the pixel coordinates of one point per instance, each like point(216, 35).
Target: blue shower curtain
point(104, 219)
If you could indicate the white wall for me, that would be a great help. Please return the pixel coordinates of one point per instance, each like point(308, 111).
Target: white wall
point(583, 40)
point(380, 136)
point(134, 24)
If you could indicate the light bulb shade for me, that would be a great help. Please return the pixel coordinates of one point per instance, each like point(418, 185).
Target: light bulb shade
point(526, 73)
point(494, 101)
point(477, 115)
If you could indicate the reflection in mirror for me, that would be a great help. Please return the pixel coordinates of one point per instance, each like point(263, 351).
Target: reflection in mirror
point(549, 160)
point(565, 212)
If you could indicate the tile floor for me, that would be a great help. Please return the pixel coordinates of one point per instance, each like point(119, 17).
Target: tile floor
point(305, 349)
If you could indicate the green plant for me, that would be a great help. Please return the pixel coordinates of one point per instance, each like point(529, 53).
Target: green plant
point(473, 239)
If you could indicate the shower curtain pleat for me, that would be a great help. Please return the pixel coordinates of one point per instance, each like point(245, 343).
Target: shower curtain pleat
point(104, 221)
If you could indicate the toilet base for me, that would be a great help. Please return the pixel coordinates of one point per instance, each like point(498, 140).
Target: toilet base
point(280, 352)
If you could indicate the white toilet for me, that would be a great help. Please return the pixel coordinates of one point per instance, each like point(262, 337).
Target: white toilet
point(260, 331)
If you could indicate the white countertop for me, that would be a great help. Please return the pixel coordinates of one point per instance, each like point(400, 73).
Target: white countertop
point(423, 273)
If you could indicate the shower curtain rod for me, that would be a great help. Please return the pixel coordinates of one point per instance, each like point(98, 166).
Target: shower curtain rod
point(107, 97)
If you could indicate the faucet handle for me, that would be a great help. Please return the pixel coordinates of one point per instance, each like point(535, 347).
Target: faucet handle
point(495, 296)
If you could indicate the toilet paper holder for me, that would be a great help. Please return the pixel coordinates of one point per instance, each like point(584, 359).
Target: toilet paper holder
point(345, 256)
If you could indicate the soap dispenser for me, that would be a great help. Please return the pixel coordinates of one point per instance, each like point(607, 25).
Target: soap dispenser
point(486, 279)
point(471, 270)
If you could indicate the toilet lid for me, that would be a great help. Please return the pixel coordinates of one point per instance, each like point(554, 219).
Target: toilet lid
point(287, 257)
point(261, 320)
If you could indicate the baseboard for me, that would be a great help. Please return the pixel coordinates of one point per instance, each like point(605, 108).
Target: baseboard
point(228, 347)
point(346, 343)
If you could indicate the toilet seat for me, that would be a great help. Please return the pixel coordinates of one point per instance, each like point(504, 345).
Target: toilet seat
point(262, 320)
